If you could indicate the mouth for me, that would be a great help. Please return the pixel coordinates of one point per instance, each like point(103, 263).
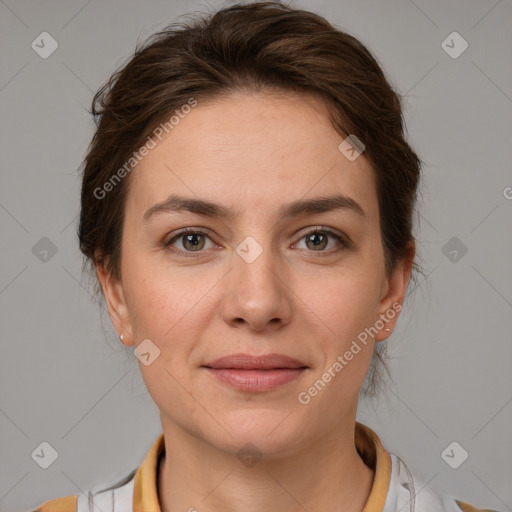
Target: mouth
point(248, 373)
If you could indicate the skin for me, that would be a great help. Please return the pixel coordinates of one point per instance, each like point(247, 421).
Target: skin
point(255, 153)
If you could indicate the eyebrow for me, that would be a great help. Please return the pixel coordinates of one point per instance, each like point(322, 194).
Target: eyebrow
point(205, 208)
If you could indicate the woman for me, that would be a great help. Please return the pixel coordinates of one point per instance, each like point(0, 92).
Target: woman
point(246, 207)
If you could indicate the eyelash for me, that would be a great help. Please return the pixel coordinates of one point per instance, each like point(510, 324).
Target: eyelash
point(344, 244)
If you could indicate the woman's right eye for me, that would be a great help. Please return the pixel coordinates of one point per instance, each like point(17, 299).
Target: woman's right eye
point(190, 240)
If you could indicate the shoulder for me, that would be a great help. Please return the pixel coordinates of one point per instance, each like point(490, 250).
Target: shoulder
point(408, 492)
point(65, 504)
point(117, 498)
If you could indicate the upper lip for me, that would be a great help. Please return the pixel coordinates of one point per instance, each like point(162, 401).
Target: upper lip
point(250, 362)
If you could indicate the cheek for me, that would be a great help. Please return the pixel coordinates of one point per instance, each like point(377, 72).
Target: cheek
point(168, 306)
point(345, 351)
point(344, 304)
point(342, 308)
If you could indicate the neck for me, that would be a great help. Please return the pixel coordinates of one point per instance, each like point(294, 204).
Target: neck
point(200, 477)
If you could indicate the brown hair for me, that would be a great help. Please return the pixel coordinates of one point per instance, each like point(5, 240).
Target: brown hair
point(262, 46)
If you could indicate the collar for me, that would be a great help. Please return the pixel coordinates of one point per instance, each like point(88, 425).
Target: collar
point(368, 445)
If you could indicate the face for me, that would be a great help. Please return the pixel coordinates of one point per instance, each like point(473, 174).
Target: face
point(284, 275)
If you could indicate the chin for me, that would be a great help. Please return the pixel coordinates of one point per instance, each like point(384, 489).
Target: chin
point(272, 431)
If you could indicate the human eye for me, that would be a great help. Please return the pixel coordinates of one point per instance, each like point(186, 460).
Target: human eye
point(191, 240)
point(317, 239)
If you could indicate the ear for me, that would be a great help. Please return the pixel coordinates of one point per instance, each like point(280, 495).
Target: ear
point(116, 304)
point(393, 293)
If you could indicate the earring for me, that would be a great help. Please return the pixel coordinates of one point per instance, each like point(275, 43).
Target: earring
point(121, 337)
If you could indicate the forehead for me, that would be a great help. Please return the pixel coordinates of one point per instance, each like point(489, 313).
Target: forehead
point(251, 149)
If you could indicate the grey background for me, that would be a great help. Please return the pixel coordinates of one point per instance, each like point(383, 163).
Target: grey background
point(65, 378)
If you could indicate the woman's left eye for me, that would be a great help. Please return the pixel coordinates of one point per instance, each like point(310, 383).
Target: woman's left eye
point(318, 239)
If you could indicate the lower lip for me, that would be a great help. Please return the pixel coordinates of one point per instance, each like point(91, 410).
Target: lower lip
point(256, 380)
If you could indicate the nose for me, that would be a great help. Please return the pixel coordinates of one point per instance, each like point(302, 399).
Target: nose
point(257, 294)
